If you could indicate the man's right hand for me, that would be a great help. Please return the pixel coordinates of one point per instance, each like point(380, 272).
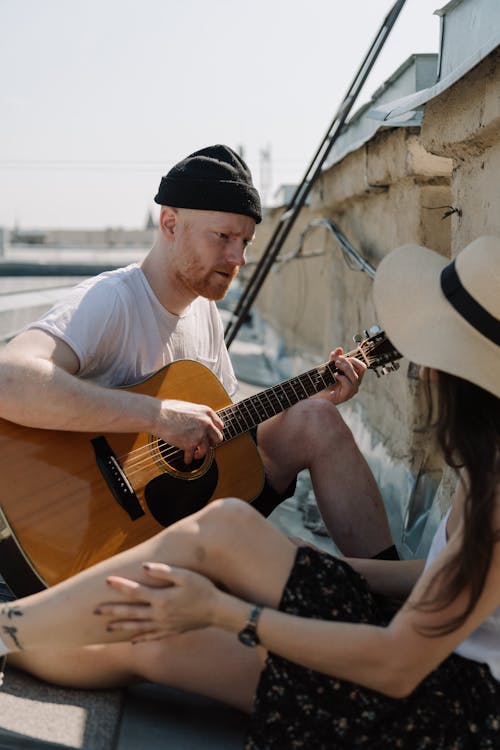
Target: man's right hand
point(194, 428)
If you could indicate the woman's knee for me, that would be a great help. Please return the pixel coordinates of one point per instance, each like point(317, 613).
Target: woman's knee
point(204, 540)
point(228, 528)
point(222, 518)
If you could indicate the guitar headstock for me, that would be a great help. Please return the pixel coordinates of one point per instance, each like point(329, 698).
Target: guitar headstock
point(377, 352)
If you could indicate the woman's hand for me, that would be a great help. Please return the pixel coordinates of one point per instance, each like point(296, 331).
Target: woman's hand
point(184, 601)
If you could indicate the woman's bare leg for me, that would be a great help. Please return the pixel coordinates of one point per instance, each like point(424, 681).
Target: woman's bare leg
point(227, 541)
point(209, 662)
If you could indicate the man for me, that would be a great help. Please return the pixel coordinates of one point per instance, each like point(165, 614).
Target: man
point(122, 326)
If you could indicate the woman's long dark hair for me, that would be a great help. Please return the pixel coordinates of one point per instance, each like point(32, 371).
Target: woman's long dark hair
point(468, 431)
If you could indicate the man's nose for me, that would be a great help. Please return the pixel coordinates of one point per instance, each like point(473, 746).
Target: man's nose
point(237, 253)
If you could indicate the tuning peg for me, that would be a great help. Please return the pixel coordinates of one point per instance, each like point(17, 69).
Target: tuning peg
point(374, 330)
point(375, 370)
point(357, 338)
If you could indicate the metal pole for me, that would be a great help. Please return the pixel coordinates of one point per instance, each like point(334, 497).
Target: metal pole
point(300, 195)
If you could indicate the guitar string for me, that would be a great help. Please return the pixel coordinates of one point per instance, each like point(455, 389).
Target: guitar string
point(143, 460)
point(232, 422)
point(244, 403)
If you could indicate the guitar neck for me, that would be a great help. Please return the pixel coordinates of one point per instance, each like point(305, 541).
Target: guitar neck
point(250, 412)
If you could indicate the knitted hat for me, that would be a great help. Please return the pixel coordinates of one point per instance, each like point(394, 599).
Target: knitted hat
point(444, 315)
point(212, 179)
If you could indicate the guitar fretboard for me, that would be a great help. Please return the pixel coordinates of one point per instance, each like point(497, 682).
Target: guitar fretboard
point(376, 352)
point(250, 412)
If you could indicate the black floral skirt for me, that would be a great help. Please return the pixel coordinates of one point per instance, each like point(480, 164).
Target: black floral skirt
point(457, 706)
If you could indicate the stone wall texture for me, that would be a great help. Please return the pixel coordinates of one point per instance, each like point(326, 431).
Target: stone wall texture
point(389, 192)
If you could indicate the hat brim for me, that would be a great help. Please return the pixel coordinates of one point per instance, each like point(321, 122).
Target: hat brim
point(421, 323)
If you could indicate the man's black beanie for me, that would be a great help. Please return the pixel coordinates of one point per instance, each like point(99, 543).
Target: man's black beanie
point(212, 179)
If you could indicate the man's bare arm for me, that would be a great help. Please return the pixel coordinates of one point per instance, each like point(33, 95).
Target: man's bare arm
point(39, 388)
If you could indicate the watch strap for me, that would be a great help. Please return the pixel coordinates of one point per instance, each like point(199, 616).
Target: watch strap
point(248, 635)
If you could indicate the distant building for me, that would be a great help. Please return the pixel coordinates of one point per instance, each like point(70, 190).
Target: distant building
point(4, 239)
point(85, 238)
point(150, 222)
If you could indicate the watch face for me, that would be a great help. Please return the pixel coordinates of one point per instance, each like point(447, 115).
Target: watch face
point(248, 636)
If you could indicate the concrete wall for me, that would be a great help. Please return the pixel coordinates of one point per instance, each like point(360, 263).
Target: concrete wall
point(389, 192)
point(381, 196)
point(464, 125)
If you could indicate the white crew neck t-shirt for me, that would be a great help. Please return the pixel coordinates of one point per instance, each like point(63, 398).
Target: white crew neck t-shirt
point(121, 333)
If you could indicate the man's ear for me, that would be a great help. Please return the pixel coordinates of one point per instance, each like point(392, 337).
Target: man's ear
point(168, 220)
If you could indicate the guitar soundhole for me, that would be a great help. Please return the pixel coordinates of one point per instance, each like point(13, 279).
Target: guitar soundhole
point(173, 458)
point(171, 498)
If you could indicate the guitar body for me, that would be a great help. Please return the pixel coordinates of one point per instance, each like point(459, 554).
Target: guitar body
point(60, 509)
point(69, 500)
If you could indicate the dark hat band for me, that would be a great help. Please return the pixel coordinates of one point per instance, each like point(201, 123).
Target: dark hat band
point(466, 306)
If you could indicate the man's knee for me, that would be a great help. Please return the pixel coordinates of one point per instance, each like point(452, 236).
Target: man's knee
point(322, 418)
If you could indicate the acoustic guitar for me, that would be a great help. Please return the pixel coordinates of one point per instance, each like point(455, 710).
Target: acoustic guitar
point(69, 500)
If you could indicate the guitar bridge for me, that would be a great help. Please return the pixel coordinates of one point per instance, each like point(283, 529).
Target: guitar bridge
point(116, 478)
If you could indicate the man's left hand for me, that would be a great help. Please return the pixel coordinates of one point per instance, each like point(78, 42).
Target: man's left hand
point(349, 377)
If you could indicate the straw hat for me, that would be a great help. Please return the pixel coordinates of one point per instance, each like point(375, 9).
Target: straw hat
point(444, 315)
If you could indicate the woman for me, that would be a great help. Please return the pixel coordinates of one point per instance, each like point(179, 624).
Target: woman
point(313, 646)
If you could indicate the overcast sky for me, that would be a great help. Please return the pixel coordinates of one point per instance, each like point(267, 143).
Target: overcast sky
point(100, 97)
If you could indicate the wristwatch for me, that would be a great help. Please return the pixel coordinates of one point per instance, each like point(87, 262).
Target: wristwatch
point(248, 636)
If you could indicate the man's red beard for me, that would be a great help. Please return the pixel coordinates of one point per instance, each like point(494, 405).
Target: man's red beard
point(224, 274)
point(205, 286)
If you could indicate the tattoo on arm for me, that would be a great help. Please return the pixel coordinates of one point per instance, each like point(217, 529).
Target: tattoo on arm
point(12, 632)
point(11, 611)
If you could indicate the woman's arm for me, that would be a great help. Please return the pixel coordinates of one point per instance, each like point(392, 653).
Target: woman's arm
point(392, 660)
point(392, 578)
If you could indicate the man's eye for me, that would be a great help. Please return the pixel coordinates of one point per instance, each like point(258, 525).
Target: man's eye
point(221, 235)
